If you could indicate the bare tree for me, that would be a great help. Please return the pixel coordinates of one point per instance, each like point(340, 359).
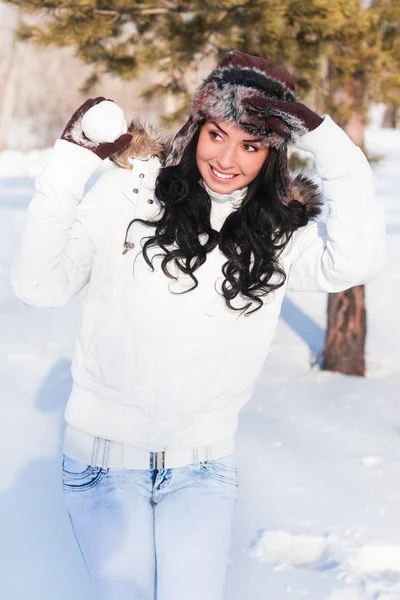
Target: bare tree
point(8, 71)
point(347, 319)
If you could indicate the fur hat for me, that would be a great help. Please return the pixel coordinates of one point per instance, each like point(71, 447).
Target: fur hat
point(226, 93)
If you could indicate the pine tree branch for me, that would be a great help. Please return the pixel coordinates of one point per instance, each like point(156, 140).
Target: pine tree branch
point(169, 9)
point(222, 16)
point(159, 11)
point(116, 14)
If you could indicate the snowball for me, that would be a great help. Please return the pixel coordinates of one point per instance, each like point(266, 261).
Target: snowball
point(104, 122)
point(282, 547)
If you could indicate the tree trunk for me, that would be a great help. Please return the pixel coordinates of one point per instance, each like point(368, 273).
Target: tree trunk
point(344, 349)
point(346, 333)
point(8, 71)
point(390, 117)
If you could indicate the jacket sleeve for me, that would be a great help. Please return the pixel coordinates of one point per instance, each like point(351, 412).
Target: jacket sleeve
point(350, 247)
point(53, 260)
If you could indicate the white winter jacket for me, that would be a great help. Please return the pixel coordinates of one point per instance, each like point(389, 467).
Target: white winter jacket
point(156, 369)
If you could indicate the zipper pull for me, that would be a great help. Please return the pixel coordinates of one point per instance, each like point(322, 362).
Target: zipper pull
point(128, 246)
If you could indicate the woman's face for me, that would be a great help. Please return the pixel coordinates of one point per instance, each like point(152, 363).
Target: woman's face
point(228, 158)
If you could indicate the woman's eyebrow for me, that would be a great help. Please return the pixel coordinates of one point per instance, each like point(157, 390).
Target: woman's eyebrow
point(217, 126)
point(253, 141)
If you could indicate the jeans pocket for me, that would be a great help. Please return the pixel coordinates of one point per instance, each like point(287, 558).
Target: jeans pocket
point(223, 469)
point(78, 476)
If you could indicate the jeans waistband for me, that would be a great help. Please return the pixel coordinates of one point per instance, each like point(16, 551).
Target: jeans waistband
point(103, 453)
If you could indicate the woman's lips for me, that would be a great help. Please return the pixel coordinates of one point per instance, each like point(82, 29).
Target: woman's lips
point(221, 179)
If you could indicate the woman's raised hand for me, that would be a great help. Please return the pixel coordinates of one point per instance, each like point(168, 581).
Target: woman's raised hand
point(276, 112)
point(73, 133)
point(284, 116)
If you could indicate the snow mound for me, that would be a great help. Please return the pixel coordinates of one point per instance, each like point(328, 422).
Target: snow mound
point(346, 594)
point(373, 559)
point(362, 592)
point(283, 548)
point(371, 461)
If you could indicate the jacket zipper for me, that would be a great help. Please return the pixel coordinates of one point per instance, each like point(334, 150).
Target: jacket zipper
point(127, 246)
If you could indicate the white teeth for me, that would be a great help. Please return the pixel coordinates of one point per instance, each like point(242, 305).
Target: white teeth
point(221, 175)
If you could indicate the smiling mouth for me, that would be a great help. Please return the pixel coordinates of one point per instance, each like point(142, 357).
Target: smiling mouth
point(222, 176)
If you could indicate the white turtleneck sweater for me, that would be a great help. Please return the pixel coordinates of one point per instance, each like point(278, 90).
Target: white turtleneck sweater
point(223, 204)
point(156, 369)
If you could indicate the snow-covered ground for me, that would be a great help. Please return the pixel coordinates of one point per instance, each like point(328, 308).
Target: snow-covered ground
point(319, 453)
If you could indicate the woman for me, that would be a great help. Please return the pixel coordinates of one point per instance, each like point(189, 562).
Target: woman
point(184, 269)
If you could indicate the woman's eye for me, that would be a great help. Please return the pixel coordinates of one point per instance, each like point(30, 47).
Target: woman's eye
point(251, 148)
point(214, 135)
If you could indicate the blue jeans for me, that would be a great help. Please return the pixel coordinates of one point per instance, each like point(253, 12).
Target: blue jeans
point(154, 535)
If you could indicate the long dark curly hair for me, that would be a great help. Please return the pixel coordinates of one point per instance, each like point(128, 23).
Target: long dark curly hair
point(251, 237)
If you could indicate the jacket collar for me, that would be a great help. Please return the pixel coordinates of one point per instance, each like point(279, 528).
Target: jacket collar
point(146, 142)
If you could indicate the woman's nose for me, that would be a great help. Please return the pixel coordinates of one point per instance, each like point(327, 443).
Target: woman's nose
point(226, 159)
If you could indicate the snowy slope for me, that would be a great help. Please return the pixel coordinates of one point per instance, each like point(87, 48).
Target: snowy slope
point(319, 453)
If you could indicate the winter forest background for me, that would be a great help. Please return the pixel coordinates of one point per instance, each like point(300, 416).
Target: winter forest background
point(40, 89)
point(319, 444)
